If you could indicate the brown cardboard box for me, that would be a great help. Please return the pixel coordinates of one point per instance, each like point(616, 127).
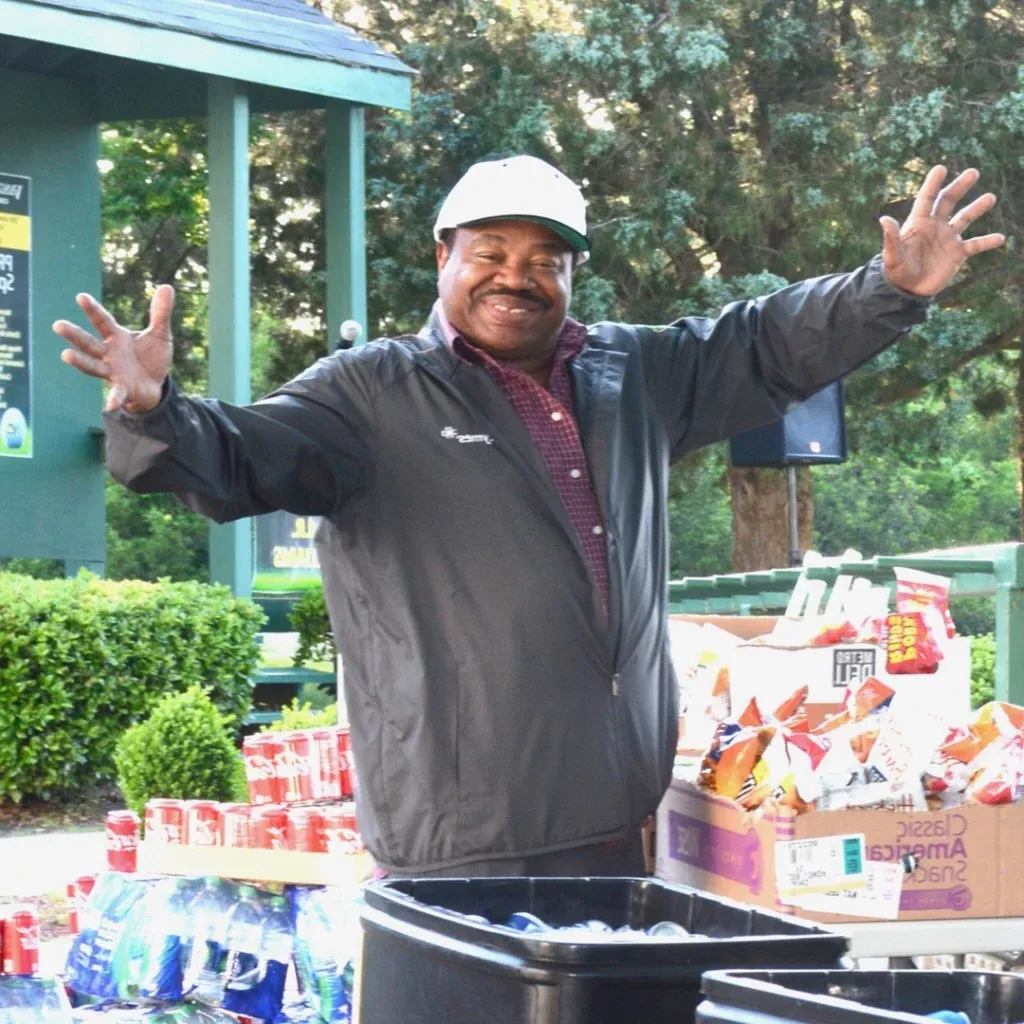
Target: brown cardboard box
point(285, 866)
point(970, 858)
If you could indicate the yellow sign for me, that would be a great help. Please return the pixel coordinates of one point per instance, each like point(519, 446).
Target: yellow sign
point(14, 232)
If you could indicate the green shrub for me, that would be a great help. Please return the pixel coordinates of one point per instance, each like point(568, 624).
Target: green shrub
point(309, 619)
point(184, 750)
point(983, 670)
point(303, 716)
point(82, 660)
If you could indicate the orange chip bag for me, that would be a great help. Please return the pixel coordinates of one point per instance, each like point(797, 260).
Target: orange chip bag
point(787, 709)
point(751, 717)
point(737, 760)
point(991, 722)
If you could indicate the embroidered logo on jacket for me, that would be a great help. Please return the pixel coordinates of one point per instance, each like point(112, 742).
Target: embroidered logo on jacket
point(451, 434)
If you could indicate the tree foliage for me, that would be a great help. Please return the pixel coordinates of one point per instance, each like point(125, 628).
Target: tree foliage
point(725, 147)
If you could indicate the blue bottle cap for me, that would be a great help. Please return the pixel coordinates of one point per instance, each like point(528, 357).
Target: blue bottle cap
point(522, 921)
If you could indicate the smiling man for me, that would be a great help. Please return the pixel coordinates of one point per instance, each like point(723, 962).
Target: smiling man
point(493, 493)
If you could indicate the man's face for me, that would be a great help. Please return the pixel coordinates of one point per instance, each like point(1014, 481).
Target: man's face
point(506, 285)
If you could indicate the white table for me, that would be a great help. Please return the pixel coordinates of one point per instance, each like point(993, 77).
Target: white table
point(914, 938)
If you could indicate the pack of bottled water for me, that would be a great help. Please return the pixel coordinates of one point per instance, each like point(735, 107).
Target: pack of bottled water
point(326, 924)
point(222, 944)
point(25, 1000)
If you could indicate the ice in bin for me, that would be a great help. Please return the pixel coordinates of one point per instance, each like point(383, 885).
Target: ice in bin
point(860, 997)
point(431, 954)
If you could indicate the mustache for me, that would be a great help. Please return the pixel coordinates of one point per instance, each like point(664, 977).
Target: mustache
point(526, 296)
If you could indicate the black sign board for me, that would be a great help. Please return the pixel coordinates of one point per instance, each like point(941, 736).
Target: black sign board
point(15, 336)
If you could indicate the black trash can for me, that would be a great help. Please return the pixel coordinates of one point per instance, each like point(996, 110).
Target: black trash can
point(858, 997)
point(424, 964)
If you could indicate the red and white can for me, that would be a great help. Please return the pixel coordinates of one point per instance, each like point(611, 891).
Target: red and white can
point(165, 822)
point(326, 765)
point(270, 827)
point(20, 941)
point(295, 767)
point(122, 828)
point(260, 753)
point(78, 896)
point(236, 825)
point(202, 823)
point(346, 765)
point(341, 834)
point(306, 829)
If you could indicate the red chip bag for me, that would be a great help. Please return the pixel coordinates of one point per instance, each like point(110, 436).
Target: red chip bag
point(909, 646)
point(834, 633)
point(918, 591)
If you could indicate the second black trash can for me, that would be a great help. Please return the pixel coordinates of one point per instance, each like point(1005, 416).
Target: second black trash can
point(423, 963)
point(858, 997)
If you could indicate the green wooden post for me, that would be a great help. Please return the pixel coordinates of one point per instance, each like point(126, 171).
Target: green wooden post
point(345, 219)
point(1010, 643)
point(231, 543)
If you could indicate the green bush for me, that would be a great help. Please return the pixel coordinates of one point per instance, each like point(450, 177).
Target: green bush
point(82, 660)
point(309, 619)
point(303, 716)
point(184, 750)
point(983, 670)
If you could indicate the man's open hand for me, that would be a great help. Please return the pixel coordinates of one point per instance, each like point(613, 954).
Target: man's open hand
point(134, 363)
point(924, 254)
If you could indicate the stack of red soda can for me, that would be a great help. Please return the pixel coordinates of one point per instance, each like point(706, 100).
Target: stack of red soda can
point(307, 828)
point(299, 766)
point(301, 785)
point(19, 940)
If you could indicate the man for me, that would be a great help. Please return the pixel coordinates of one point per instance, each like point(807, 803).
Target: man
point(493, 494)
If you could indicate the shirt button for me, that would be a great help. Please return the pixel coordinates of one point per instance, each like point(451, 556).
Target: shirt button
point(597, 531)
point(556, 416)
point(575, 474)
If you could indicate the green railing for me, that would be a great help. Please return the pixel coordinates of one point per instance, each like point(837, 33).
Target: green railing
point(995, 570)
point(275, 687)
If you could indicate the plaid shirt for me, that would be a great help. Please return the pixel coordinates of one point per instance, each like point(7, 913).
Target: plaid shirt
point(550, 417)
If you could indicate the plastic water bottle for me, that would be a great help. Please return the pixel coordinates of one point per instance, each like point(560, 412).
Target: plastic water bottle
point(240, 966)
point(209, 911)
point(277, 932)
point(316, 957)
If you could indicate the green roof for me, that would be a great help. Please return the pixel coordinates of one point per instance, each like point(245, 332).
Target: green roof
point(277, 44)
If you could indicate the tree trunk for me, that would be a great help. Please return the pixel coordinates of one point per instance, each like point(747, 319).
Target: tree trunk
point(760, 517)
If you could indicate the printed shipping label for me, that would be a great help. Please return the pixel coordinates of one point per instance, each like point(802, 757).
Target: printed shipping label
point(828, 864)
point(879, 898)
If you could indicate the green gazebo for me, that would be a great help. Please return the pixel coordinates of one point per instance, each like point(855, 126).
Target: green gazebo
point(68, 66)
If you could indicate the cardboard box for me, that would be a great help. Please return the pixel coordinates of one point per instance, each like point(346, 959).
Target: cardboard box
point(285, 866)
point(970, 858)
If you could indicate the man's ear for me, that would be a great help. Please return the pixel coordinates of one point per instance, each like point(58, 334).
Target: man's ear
point(443, 254)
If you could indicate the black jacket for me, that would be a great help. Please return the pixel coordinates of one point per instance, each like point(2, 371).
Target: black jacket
point(493, 713)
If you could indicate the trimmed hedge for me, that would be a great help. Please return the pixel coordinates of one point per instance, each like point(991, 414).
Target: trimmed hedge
point(82, 660)
point(183, 750)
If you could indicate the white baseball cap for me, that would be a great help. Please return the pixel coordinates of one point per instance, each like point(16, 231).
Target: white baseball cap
point(518, 188)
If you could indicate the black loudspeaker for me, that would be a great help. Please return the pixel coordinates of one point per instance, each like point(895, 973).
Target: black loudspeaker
point(810, 433)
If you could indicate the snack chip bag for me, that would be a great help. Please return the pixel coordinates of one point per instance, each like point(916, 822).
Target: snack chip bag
point(831, 633)
point(789, 708)
point(871, 696)
point(927, 593)
point(737, 760)
point(992, 721)
point(1000, 770)
point(909, 644)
